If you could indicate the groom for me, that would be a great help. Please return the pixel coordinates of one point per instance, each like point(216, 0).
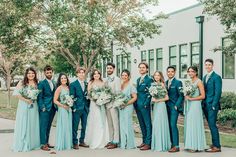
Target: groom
point(112, 113)
point(78, 89)
point(174, 106)
point(46, 107)
point(211, 104)
point(143, 107)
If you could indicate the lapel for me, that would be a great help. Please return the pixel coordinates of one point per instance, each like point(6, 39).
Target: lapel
point(204, 81)
point(211, 76)
point(138, 81)
point(47, 85)
point(79, 86)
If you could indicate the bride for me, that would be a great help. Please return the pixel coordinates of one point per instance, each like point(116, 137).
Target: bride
point(97, 135)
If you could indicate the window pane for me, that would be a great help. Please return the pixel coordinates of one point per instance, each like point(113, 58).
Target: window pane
point(151, 54)
point(183, 67)
point(118, 61)
point(129, 62)
point(159, 64)
point(183, 50)
point(229, 66)
point(195, 48)
point(159, 53)
point(173, 61)
point(172, 51)
point(143, 56)
point(195, 60)
point(124, 61)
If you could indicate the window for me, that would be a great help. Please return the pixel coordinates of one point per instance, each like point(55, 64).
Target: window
point(195, 54)
point(123, 61)
point(143, 56)
point(172, 54)
point(228, 63)
point(151, 62)
point(159, 58)
point(183, 61)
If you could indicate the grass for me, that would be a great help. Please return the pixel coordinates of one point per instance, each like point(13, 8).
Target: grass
point(227, 140)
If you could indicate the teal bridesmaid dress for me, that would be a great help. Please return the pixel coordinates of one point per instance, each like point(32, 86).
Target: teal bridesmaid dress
point(64, 126)
point(127, 138)
point(194, 133)
point(26, 132)
point(160, 130)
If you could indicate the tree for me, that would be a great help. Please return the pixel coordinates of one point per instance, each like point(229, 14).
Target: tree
point(15, 32)
point(226, 11)
point(82, 31)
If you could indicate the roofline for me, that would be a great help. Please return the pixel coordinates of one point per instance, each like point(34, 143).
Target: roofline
point(184, 9)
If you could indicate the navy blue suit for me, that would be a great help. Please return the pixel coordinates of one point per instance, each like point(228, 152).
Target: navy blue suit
point(211, 104)
point(46, 109)
point(174, 106)
point(143, 108)
point(80, 110)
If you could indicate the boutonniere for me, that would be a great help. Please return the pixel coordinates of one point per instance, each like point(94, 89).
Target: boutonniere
point(142, 80)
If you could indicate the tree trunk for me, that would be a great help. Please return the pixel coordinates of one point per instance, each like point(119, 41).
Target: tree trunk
point(8, 83)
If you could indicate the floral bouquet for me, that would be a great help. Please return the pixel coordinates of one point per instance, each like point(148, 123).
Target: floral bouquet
point(120, 101)
point(157, 91)
point(68, 100)
point(101, 95)
point(105, 96)
point(30, 92)
point(188, 89)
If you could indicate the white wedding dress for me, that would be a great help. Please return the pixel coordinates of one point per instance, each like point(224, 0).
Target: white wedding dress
point(97, 134)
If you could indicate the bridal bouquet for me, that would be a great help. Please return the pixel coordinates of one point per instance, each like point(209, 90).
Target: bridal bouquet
point(68, 100)
point(120, 101)
point(101, 95)
point(188, 88)
point(30, 92)
point(105, 96)
point(157, 91)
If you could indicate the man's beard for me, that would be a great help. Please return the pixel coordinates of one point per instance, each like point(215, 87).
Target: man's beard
point(49, 77)
point(109, 73)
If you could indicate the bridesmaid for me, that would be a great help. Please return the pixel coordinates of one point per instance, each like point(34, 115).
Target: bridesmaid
point(26, 133)
point(127, 139)
point(194, 128)
point(64, 115)
point(160, 130)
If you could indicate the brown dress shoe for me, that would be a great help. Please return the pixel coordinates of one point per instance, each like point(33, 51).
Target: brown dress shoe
point(50, 146)
point(141, 145)
point(145, 147)
point(108, 144)
point(112, 146)
point(76, 146)
point(213, 150)
point(45, 147)
point(83, 145)
point(173, 150)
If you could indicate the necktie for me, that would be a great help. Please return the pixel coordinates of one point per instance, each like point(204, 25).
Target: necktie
point(82, 85)
point(169, 83)
point(50, 84)
point(207, 77)
point(141, 80)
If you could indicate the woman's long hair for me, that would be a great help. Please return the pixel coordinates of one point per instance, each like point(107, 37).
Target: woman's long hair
point(161, 74)
point(59, 79)
point(93, 73)
point(26, 80)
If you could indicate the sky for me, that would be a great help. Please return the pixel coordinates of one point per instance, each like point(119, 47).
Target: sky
point(168, 6)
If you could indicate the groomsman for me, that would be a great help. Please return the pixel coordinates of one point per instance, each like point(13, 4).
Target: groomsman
point(143, 107)
point(78, 89)
point(174, 106)
point(46, 107)
point(211, 104)
point(112, 113)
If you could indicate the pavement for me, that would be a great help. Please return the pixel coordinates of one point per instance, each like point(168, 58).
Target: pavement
point(6, 139)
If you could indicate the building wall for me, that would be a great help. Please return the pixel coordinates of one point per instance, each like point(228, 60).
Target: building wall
point(181, 28)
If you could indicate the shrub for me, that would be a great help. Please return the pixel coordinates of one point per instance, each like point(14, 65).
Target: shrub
point(227, 116)
point(228, 100)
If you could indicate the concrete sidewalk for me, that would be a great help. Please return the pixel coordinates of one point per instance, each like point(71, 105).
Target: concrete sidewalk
point(7, 138)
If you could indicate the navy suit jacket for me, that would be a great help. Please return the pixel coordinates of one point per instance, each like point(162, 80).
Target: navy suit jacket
point(81, 103)
point(144, 98)
point(45, 97)
point(176, 98)
point(213, 89)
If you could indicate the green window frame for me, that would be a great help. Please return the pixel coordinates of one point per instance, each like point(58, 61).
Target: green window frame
point(151, 61)
point(144, 56)
point(159, 59)
point(183, 60)
point(195, 49)
point(228, 62)
point(173, 55)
